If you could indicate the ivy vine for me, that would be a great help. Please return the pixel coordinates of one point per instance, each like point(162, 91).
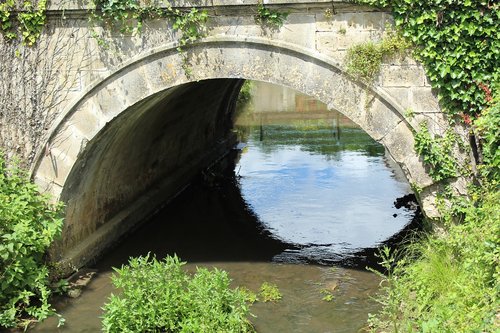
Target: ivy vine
point(436, 153)
point(129, 16)
point(23, 20)
point(458, 42)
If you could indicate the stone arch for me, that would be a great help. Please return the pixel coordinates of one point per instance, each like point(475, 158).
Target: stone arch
point(108, 114)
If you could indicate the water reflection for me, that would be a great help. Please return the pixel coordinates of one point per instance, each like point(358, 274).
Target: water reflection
point(315, 179)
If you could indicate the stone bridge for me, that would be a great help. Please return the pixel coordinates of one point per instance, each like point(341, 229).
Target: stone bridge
point(139, 119)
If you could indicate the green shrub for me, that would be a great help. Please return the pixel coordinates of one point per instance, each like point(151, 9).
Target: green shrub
point(158, 296)
point(274, 19)
point(245, 94)
point(28, 225)
point(448, 283)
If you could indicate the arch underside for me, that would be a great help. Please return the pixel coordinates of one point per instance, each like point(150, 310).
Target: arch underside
point(149, 127)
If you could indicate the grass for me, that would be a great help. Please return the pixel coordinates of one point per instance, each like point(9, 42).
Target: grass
point(448, 283)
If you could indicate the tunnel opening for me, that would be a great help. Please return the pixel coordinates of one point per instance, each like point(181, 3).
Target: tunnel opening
point(151, 152)
point(216, 221)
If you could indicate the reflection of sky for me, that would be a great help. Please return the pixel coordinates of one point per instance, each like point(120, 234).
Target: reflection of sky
point(307, 198)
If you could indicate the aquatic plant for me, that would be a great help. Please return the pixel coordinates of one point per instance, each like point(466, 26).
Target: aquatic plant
point(269, 292)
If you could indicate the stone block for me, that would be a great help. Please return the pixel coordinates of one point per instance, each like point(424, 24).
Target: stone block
point(424, 100)
point(402, 76)
point(374, 20)
point(86, 120)
point(234, 2)
point(55, 167)
point(163, 72)
point(399, 141)
point(353, 20)
point(135, 87)
point(265, 2)
point(89, 77)
point(111, 100)
point(428, 201)
point(378, 120)
point(68, 143)
point(234, 25)
point(73, 80)
point(352, 37)
point(326, 42)
point(300, 30)
point(334, 24)
point(46, 186)
point(401, 95)
point(189, 3)
point(417, 171)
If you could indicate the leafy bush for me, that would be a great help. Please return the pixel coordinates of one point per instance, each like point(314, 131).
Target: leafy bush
point(158, 296)
point(274, 19)
point(245, 94)
point(28, 225)
point(450, 283)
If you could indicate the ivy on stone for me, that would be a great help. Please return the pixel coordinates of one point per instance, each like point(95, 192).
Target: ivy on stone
point(436, 153)
point(129, 16)
point(459, 44)
point(23, 20)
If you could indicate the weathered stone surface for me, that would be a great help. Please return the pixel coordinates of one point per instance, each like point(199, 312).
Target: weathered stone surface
point(424, 100)
point(402, 76)
point(379, 122)
point(400, 143)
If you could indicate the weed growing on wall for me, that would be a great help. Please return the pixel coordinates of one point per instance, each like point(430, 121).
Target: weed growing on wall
point(274, 19)
point(28, 225)
point(363, 60)
point(159, 296)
